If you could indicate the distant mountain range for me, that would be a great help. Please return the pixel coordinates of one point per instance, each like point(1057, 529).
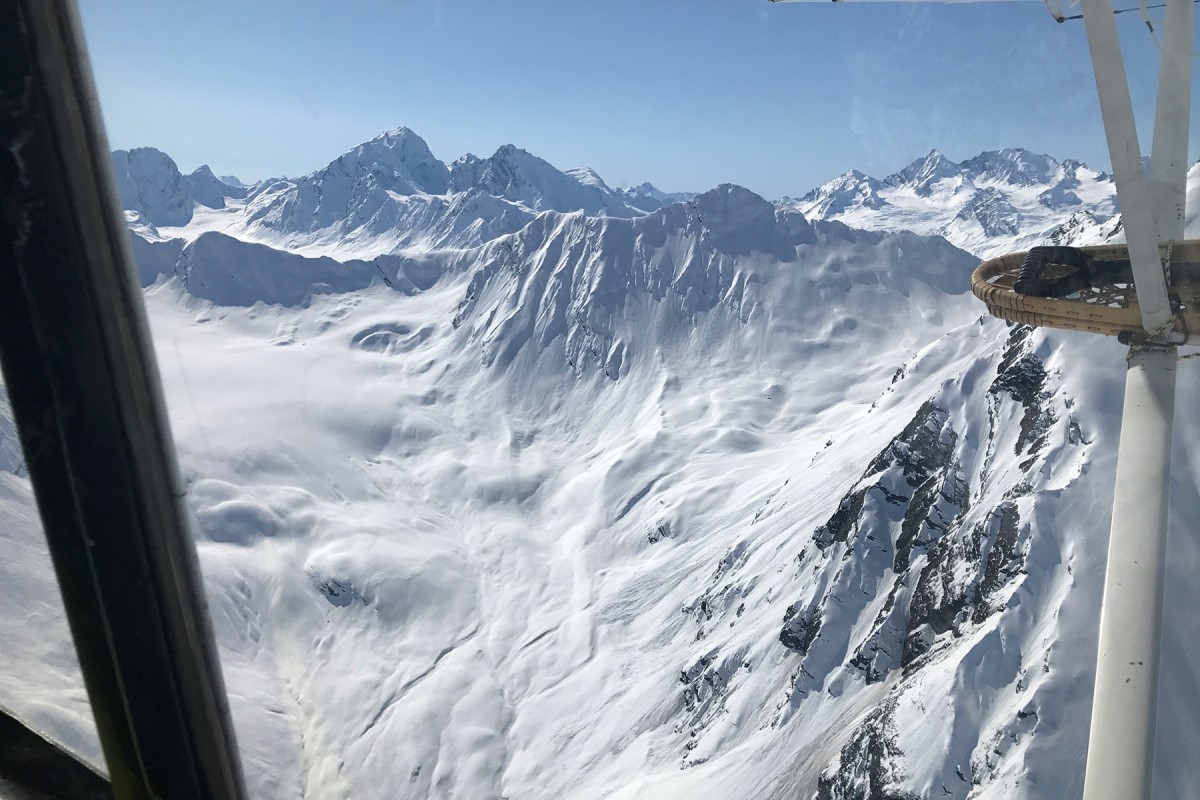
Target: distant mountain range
point(999, 200)
point(387, 194)
point(391, 194)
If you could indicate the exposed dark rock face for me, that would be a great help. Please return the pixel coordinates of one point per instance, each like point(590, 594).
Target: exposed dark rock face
point(706, 684)
point(910, 545)
point(1004, 561)
point(923, 454)
point(1003, 738)
point(917, 558)
point(799, 629)
point(839, 526)
point(868, 766)
point(994, 213)
point(917, 492)
point(962, 575)
point(660, 531)
point(1022, 376)
point(340, 593)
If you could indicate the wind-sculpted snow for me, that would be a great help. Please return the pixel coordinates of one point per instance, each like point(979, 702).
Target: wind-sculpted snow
point(40, 681)
point(230, 272)
point(11, 458)
point(714, 501)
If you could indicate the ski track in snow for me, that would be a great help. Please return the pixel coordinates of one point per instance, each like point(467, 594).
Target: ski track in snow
point(712, 501)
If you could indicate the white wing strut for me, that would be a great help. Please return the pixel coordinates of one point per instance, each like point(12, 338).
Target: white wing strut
point(1120, 763)
point(1141, 233)
point(1121, 748)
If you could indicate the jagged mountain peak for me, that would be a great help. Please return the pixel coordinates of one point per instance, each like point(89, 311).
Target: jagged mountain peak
point(921, 175)
point(148, 156)
point(389, 192)
point(648, 197)
point(465, 172)
point(588, 177)
point(517, 156)
point(515, 174)
point(850, 177)
point(852, 189)
point(365, 191)
point(209, 190)
point(729, 205)
point(398, 159)
point(1013, 165)
point(646, 188)
point(399, 136)
point(149, 181)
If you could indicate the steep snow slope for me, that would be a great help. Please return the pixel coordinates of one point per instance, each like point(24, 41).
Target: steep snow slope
point(149, 183)
point(714, 501)
point(210, 191)
point(998, 201)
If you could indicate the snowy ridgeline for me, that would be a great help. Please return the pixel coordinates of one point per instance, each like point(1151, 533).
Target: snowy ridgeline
point(392, 195)
point(714, 500)
point(996, 202)
point(386, 194)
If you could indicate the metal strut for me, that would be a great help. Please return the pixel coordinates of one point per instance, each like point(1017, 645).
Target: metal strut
point(1120, 762)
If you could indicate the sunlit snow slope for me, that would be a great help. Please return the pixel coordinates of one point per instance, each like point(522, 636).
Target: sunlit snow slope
point(999, 200)
point(712, 501)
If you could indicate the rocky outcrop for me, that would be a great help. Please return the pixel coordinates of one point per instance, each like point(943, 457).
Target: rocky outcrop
point(868, 767)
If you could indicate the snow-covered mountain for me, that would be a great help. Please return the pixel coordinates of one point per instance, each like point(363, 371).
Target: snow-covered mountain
point(649, 197)
point(713, 501)
point(208, 190)
point(151, 186)
point(998, 201)
point(389, 194)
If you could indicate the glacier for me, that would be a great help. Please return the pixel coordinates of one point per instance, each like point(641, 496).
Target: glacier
point(509, 484)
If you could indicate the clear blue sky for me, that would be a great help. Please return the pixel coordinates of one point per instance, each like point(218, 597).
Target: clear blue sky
point(684, 93)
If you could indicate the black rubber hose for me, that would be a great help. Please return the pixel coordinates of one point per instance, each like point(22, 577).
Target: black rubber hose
point(1035, 280)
